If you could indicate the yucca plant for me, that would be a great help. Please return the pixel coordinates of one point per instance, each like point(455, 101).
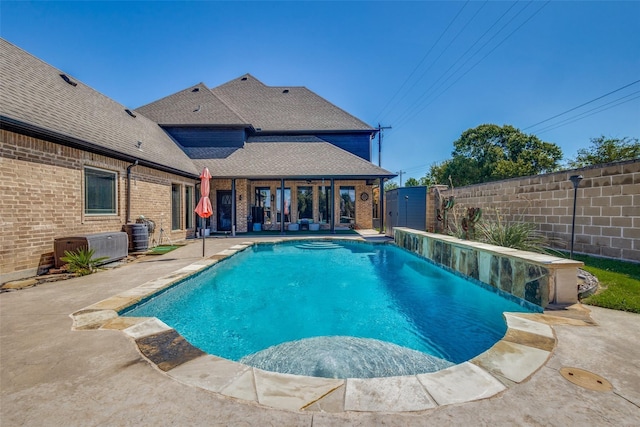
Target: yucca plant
point(82, 262)
point(516, 235)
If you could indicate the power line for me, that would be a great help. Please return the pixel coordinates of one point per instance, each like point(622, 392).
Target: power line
point(582, 105)
point(466, 52)
point(422, 60)
point(407, 112)
point(600, 110)
point(464, 27)
point(415, 113)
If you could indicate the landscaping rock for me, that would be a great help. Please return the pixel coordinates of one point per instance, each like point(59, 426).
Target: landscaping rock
point(587, 283)
point(19, 284)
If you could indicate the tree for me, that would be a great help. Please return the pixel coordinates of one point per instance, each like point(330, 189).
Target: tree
point(391, 185)
point(411, 182)
point(426, 181)
point(605, 150)
point(490, 152)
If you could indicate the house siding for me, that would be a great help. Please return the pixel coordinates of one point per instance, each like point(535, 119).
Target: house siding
point(42, 189)
point(245, 189)
point(207, 137)
point(355, 143)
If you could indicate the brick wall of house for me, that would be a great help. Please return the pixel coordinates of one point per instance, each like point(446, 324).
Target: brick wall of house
point(246, 189)
point(607, 212)
point(42, 199)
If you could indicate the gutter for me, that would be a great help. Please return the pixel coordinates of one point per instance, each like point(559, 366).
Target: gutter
point(27, 129)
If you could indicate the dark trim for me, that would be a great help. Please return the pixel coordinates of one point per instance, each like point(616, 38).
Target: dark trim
point(307, 132)
point(27, 129)
point(206, 126)
point(305, 177)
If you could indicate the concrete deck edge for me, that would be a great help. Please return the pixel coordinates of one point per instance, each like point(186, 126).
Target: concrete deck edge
point(524, 349)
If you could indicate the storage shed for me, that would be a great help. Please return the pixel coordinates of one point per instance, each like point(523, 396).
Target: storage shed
point(406, 207)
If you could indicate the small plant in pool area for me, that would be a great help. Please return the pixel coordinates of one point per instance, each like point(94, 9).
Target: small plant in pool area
point(82, 262)
point(516, 235)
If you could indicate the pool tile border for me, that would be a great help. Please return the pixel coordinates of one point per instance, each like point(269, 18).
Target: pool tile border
point(524, 349)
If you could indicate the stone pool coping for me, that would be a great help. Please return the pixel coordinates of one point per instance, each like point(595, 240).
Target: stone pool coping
point(526, 347)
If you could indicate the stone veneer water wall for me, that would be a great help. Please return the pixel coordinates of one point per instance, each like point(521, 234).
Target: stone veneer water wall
point(537, 278)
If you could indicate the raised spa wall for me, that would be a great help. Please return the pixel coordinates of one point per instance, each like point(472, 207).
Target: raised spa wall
point(537, 278)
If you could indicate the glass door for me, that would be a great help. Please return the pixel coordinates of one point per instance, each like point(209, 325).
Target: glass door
point(223, 199)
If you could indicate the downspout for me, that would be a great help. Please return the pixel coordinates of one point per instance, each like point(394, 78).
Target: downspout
point(128, 219)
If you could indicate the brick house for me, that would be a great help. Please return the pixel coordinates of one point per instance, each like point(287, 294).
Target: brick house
point(74, 161)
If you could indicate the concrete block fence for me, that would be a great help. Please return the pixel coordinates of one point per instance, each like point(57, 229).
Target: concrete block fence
point(607, 212)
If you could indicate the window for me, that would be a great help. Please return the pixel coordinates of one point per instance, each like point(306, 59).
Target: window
point(347, 205)
point(100, 190)
point(324, 205)
point(188, 207)
point(305, 202)
point(263, 200)
point(175, 207)
point(287, 204)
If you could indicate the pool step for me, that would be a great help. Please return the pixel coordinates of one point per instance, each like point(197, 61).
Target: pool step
point(318, 245)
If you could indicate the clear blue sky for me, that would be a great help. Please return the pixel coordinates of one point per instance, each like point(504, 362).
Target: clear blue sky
point(431, 70)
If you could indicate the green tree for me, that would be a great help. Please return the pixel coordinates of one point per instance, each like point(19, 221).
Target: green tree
point(605, 150)
point(391, 185)
point(490, 152)
point(426, 181)
point(411, 182)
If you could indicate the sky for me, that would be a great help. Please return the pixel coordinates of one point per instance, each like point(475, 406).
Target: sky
point(566, 72)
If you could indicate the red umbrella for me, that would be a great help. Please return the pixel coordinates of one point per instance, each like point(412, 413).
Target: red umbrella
point(204, 209)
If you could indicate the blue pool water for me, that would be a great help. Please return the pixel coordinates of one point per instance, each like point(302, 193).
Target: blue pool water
point(333, 309)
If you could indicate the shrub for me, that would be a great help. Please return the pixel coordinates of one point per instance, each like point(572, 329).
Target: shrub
point(82, 262)
point(516, 235)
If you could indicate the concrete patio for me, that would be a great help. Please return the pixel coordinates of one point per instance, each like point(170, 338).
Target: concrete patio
point(52, 375)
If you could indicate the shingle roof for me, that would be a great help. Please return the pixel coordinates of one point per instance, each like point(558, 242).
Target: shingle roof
point(33, 93)
point(196, 105)
point(276, 160)
point(284, 108)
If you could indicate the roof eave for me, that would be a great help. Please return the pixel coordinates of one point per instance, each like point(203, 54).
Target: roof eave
point(314, 131)
point(304, 177)
point(29, 129)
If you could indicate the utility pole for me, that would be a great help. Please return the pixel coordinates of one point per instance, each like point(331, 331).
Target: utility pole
point(380, 129)
point(400, 172)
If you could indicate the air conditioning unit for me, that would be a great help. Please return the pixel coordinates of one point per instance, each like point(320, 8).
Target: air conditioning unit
point(113, 245)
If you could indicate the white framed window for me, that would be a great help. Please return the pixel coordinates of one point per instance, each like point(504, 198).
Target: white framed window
point(100, 191)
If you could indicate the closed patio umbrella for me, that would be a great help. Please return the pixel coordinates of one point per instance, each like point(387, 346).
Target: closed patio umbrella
point(204, 209)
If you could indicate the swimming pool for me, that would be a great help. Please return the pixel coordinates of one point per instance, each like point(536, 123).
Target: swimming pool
point(337, 306)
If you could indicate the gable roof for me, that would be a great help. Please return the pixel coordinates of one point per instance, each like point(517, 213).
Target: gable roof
point(35, 98)
point(272, 108)
point(196, 105)
point(287, 158)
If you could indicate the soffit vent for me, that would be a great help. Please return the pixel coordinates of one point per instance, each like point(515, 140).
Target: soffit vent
point(68, 80)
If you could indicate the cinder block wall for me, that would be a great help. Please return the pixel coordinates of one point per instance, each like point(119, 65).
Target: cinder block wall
point(42, 199)
point(607, 212)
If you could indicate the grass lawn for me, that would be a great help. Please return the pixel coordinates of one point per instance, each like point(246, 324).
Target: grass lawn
point(619, 281)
